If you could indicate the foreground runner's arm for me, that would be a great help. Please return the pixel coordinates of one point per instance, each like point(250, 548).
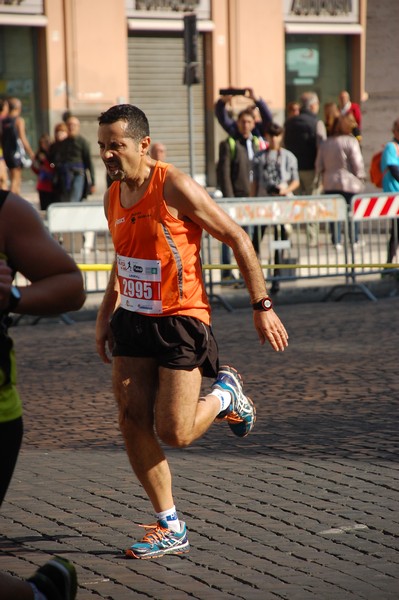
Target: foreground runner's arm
point(104, 339)
point(55, 282)
point(188, 199)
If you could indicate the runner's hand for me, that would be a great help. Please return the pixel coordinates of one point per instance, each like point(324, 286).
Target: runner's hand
point(270, 328)
point(104, 340)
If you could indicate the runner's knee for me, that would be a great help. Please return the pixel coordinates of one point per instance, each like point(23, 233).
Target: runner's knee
point(176, 437)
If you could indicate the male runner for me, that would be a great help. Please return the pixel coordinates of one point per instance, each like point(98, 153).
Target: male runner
point(155, 315)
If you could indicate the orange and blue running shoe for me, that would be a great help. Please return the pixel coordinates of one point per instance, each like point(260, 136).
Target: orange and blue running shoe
point(241, 414)
point(160, 540)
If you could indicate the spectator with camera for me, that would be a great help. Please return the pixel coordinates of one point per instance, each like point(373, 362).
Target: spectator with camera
point(275, 173)
point(229, 124)
point(234, 169)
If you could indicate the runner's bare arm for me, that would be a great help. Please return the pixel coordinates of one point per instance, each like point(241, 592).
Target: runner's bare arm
point(187, 199)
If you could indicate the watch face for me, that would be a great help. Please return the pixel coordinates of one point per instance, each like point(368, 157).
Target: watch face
point(267, 303)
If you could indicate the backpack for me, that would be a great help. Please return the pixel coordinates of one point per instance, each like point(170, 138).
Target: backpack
point(376, 175)
point(233, 145)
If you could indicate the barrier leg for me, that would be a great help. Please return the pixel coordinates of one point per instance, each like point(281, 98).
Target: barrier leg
point(348, 289)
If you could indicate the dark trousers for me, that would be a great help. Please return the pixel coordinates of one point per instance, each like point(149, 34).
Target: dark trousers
point(335, 228)
point(11, 434)
point(393, 240)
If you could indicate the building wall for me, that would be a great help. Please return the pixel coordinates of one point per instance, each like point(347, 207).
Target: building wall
point(87, 55)
point(381, 74)
point(248, 49)
point(83, 63)
point(86, 65)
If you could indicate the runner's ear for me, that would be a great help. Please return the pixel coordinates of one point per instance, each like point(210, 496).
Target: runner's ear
point(145, 144)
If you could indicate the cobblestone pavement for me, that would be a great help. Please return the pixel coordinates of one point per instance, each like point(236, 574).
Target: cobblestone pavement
point(306, 507)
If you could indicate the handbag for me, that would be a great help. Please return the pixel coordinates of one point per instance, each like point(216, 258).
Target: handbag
point(21, 155)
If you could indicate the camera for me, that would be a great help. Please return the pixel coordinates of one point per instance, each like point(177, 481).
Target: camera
point(273, 190)
point(232, 91)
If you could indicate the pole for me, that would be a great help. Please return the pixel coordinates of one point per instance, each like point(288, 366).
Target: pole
point(190, 128)
point(191, 75)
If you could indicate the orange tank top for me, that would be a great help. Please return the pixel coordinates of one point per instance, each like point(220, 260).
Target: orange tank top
point(157, 255)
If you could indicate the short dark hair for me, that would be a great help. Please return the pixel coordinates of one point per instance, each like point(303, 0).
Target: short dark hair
point(248, 112)
point(273, 129)
point(137, 122)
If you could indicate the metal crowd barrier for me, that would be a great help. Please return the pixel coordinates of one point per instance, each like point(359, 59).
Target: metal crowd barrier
point(376, 217)
point(82, 229)
point(296, 242)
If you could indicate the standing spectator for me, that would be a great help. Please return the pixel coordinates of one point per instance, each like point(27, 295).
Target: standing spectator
point(347, 107)
point(3, 166)
point(293, 109)
point(302, 136)
point(341, 166)
point(60, 132)
point(158, 151)
point(331, 114)
point(44, 170)
point(15, 144)
point(234, 168)
point(390, 183)
point(230, 125)
point(275, 173)
point(73, 163)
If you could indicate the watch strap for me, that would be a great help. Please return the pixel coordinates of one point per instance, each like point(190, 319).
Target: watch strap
point(15, 297)
point(264, 304)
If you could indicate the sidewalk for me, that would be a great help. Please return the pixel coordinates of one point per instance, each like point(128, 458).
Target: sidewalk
point(305, 508)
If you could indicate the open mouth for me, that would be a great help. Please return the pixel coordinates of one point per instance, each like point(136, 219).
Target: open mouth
point(112, 168)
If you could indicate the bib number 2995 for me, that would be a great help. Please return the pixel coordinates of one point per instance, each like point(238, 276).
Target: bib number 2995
point(137, 289)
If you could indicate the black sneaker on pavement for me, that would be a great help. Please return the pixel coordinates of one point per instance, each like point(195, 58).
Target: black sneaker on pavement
point(56, 579)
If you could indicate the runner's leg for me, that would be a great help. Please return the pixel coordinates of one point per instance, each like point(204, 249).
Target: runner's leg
point(135, 382)
point(181, 416)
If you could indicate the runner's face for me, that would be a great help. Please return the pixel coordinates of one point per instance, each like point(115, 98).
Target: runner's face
point(120, 154)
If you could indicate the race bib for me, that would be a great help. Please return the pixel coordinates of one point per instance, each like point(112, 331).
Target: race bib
point(140, 284)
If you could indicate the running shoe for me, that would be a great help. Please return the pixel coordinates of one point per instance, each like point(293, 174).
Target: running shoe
point(241, 414)
point(56, 579)
point(160, 540)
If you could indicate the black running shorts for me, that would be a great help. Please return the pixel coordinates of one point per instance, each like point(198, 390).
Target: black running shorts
point(176, 342)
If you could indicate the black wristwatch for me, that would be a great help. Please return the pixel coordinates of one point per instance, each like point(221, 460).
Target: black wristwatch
point(15, 297)
point(264, 304)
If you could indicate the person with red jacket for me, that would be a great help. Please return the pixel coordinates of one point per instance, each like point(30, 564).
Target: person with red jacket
point(44, 170)
point(346, 106)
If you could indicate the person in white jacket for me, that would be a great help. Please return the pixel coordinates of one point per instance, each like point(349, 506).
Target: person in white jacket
point(340, 164)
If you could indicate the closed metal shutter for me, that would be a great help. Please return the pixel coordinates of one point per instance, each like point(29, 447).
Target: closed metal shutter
point(156, 67)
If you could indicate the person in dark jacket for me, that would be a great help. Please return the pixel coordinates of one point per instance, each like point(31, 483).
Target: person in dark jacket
point(230, 125)
point(234, 169)
point(73, 164)
point(302, 136)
